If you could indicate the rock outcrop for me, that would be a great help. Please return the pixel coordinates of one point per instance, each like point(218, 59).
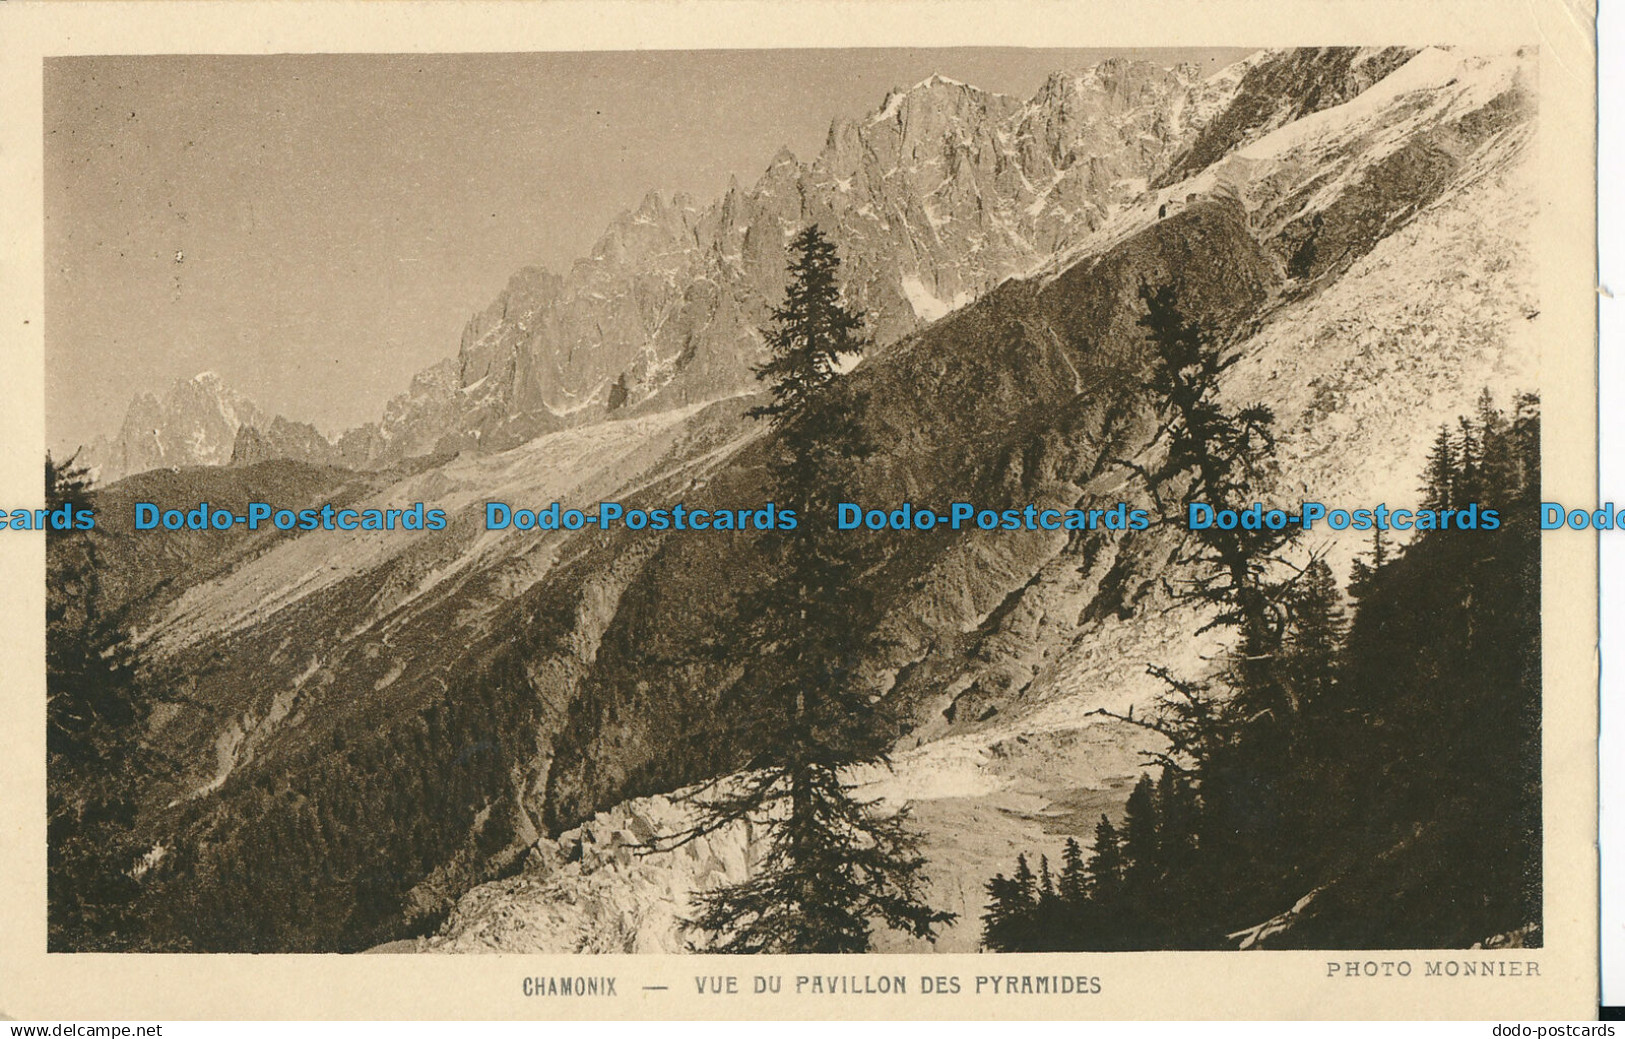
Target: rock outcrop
point(933, 199)
point(196, 423)
point(428, 707)
point(619, 882)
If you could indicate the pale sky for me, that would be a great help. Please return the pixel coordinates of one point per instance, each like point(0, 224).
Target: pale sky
point(317, 228)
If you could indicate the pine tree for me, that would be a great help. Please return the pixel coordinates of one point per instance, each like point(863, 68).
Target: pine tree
point(1234, 734)
point(1440, 475)
point(1523, 438)
point(1316, 632)
point(1469, 463)
point(1498, 461)
point(1176, 815)
point(1006, 925)
point(811, 332)
point(1361, 573)
point(96, 712)
point(1141, 854)
point(1026, 883)
point(996, 914)
point(1074, 884)
point(833, 864)
point(1014, 920)
point(1138, 918)
point(1105, 866)
point(1221, 456)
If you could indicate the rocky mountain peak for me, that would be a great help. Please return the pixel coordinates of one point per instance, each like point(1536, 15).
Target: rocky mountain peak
point(933, 198)
point(201, 421)
point(1370, 266)
point(195, 423)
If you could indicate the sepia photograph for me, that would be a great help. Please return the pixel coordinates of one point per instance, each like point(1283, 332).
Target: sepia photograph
point(612, 506)
point(1152, 279)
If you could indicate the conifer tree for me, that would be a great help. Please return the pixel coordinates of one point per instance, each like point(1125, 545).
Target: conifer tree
point(834, 864)
point(96, 712)
point(1138, 917)
point(1221, 456)
point(1074, 884)
point(1234, 734)
point(1316, 633)
point(1105, 866)
point(1440, 474)
point(1026, 883)
point(1523, 436)
point(1176, 817)
point(1469, 484)
point(1141, 854)
point(1370, 790)
point(811, 332)
point(1498, 451)
point(1006, 924)
point(1361, 573)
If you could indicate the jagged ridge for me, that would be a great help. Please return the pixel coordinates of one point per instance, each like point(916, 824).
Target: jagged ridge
point(593, 663)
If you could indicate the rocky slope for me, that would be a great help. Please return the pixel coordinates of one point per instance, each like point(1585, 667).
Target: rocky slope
point(381, 723)
point(933, 199)
point(1358, 362)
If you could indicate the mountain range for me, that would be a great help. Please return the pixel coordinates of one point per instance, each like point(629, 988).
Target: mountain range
point(934, 198)
point(443, 736)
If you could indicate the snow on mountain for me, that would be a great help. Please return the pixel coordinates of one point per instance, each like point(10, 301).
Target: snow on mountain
point(578, 465)
point(1360, 363)
point(195, 423)
point(933, 199)
point(1359, 229)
